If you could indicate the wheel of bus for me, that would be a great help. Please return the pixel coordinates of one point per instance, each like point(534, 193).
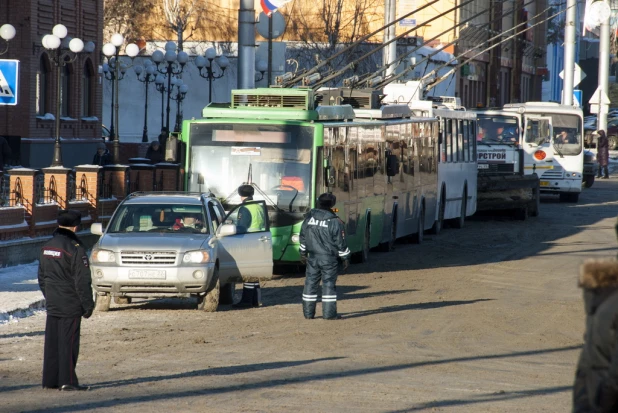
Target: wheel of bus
point(226, 296)
point(588, 181)
point(122, 300)
point(102, 302)
point(459, 222)
point(363, 254)
point(439, 224)
point(210, 301)
point(420, 235)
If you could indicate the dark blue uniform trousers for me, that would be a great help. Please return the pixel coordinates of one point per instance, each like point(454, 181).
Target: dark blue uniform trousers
point(324, 268)
point(61, 351)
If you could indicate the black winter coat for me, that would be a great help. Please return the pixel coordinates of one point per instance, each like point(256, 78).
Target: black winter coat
point(155, 156)
point(323, 233)
point(64, 276)
point(596, 379)
point(102, 160)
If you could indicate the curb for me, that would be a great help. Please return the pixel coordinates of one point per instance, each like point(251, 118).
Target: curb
point(22, 312)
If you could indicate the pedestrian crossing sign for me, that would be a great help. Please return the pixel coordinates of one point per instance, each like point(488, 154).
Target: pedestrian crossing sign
point(9, 75)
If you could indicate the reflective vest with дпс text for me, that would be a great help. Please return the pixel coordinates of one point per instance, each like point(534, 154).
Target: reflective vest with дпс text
point(257, 217)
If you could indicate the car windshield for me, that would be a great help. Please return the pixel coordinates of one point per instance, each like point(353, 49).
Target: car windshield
point(170, 218)
point(497, 129)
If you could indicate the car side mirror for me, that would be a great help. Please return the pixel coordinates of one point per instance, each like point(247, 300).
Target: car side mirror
point(226, 230)
point(96, 228)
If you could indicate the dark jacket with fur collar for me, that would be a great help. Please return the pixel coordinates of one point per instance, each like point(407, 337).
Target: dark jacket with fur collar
point(596, 380)
point(64, 276)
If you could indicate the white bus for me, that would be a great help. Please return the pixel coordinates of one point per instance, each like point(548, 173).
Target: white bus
point(457, 160)
point(551, 136)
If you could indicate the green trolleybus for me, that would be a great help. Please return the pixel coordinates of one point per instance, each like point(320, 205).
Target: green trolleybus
point(382, 168)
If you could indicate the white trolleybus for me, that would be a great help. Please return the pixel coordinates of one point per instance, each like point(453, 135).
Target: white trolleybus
point(551, 136)
point(457, 152)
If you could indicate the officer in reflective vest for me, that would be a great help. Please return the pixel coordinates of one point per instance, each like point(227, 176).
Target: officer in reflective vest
point(250, 219)
point(322, 245)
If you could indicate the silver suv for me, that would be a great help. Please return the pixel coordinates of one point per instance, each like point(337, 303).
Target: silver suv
point(177, 244)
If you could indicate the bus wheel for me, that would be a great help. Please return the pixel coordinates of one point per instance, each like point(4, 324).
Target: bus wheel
point(363, 254)
point(459, 222)
point(439, 224)
point(418, 237)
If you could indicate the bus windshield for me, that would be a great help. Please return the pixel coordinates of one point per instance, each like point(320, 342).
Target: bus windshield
point(497, 129)
point(276, 159)
point(567, 135)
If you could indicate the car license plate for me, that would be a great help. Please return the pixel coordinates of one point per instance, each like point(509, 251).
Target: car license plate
point(147, 274)
point(483, 166)
point(544, 183)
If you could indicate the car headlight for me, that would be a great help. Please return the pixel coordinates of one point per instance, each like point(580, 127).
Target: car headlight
point(103, 256)
point(196, 257)
point(295, 238)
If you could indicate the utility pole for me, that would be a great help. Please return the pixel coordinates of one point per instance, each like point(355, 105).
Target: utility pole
point(389, 53)
point(569, 53)
point(603, 75)
point(246, 45)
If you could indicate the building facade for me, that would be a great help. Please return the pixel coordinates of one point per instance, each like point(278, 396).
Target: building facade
point(29, 126)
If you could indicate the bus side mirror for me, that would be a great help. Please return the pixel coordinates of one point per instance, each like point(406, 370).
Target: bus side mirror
point(330, 175)
point(392, 165)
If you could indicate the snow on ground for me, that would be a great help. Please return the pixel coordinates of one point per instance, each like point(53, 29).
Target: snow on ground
point(20, 295)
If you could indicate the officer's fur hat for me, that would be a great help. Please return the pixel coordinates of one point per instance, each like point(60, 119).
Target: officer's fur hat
point(69, 218)
point(326, 201)
point(246, 190)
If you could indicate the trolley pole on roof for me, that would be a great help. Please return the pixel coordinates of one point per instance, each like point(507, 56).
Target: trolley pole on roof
point(569, 53)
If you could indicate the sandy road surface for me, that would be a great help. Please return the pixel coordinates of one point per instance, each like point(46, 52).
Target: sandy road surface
point(484, 319)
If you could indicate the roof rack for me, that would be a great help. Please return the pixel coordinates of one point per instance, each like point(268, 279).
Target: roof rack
point(143, 193)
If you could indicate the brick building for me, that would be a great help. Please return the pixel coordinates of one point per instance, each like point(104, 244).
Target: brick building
point(27, 128)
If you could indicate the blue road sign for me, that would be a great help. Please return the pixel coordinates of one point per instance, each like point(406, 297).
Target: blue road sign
point(577, 96)
point(9, 76)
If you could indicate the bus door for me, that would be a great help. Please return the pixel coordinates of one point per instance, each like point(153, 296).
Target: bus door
point(537, 143)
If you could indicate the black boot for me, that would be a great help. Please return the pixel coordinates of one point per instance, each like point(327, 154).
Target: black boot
point(248, 296)
point(309, 302)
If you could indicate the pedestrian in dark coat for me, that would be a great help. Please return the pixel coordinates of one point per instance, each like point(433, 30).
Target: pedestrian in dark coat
point(596, 379)
point(102, 157)
point(5, 152)
point(603, 154)
point(155, 152)
point(64, 279)
point(322, 245)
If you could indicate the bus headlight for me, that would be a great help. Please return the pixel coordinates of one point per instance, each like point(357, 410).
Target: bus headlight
point(103, 256)
point(295, 238)
point(196, 257)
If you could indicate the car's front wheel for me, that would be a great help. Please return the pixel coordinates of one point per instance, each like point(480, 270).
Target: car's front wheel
point(210, 301)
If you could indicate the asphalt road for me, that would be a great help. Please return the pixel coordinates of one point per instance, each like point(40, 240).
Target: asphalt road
point(483, 319)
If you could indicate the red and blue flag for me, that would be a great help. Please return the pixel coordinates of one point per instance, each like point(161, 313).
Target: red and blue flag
point(269, 6)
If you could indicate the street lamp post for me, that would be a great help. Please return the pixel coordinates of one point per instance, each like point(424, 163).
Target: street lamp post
point(175, 65)
point(205, 62)
point(62, 57)
point(149, 70)
point(160, 85)
point(7, 32)
point(116, 69)
point(181, 91)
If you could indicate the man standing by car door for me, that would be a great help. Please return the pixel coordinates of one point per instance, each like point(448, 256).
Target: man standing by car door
point(64, 279)
point(250, 218)
point(322, 244)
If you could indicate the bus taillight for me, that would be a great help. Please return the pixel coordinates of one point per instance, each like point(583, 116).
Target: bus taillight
point(540, 155)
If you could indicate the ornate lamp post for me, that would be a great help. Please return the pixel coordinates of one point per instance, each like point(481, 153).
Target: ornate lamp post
point(149, 70)
point(116, 69)
point(205, 62)
point(7, 32)
point(160, 85)
point(62, 57)
point(179, 96)
point(175, 65)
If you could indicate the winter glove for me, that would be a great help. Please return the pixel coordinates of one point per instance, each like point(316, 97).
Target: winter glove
point(303, 259)
point(87, 314)
point(346, 264)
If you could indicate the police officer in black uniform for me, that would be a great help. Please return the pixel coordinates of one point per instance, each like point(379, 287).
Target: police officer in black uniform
point(64, 278)
point(322, 245)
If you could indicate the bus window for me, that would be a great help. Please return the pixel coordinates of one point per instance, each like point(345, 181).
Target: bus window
point(449, 140)
point(466, 143)
point(538, 131)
